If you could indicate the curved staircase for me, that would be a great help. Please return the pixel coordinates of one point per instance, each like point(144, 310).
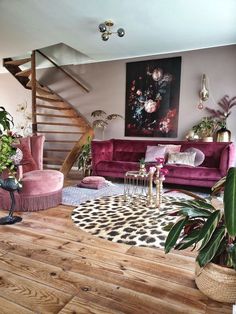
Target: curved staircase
point(65, 129)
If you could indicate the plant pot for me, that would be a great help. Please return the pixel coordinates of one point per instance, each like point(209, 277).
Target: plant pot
point(207, 139)
point(217, 282)
point(223, 135)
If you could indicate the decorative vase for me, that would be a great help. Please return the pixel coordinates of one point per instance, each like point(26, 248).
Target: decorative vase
point(223, 135)
point(217, 282)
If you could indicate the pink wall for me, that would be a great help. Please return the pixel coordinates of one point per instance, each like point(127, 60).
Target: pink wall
point(107, 83)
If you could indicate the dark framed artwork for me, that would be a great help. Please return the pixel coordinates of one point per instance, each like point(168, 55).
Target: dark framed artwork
point(152, 97)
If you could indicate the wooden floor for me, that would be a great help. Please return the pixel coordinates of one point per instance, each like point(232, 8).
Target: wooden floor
point(48, 265)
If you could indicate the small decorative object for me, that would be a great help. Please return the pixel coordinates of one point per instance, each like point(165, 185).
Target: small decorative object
point(135, 187)
point(105, 29)
point(204, 92)
point(103, 123)
point(226, 104)
point(212, 230)
point(150, 198)
point(142, 165)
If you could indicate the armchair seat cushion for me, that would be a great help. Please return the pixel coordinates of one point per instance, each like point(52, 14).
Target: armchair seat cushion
point(38, 182)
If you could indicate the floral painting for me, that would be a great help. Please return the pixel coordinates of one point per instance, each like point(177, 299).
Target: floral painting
point(152, 97)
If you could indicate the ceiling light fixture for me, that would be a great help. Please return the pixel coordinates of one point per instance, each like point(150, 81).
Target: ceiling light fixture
point(105, 29)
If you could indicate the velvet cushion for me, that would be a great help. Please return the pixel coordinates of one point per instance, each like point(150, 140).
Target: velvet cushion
point(42, 182)
point(27, 161)
point(199, 157)
point(93, 185)
point(93, 180)
point(182, 158)
point(154, 152)
point(170, 148)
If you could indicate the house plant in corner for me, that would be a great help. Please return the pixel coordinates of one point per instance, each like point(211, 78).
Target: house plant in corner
point(8, 164)
point(212, 230)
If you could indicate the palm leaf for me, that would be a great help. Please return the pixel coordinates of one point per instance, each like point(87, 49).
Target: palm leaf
point(230, 202)
point(114, 116)
point(174, 234)
point(210, 250)
point(98, 113)
point(209, 228)
point(99, 124)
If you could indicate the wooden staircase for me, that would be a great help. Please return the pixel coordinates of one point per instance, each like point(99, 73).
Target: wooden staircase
point(65, 129)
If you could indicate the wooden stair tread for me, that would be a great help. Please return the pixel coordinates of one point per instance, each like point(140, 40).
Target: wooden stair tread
point(24, 73)
point(38, 86)
point(55, 115)
point(52, 107)
point(53, 159)
point(59, 141)
point(56, 150)
point(48, 98)
point(18, 62)
point(60, 132)
point(58, 123)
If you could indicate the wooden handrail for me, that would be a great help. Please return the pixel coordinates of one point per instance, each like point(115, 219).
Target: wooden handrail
point(64, 71)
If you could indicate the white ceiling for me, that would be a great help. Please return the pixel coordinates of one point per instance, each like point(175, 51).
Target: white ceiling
point(152, 26)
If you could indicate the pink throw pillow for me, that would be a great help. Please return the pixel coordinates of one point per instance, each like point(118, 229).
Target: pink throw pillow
point(93, 180)
point(154, 152)
point(27, 161)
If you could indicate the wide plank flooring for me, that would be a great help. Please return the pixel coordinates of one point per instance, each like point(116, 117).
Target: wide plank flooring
point(48, 265)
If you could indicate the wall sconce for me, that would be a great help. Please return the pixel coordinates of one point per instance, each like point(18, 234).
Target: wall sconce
point(105, 29)
point(204, 92)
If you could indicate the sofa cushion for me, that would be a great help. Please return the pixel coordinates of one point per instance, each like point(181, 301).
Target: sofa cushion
point(195, 173)
point(199, 157)
point(154, 152)
point(170, 148)
point(27, 161)
point(185, 158)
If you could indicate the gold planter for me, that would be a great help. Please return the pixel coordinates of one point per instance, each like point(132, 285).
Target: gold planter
point(217, 282)
point(223, 135)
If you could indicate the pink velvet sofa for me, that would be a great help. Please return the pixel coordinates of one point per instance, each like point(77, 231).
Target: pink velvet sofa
point(112, 158)
point(41, 189)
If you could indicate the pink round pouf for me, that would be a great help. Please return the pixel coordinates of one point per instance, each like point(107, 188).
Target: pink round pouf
point(42, 189)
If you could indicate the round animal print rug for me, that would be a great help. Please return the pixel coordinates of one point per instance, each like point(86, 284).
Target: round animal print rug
point(113, 219)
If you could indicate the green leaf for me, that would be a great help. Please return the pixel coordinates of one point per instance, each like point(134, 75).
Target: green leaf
point(174, 234)
point(194, 212)
point(211, 249)
point(188, 240)
point(209, 227)
point(230, 202)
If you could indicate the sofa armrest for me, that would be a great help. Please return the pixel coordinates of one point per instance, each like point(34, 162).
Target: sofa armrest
point(101, 150)
point(227, 159)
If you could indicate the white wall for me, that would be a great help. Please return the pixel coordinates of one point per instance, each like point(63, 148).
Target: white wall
point(107, 81)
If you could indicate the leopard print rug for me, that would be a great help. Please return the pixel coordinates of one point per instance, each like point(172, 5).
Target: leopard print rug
point(113, 219)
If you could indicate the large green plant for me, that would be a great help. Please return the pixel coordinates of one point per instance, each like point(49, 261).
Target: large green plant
point(84, 158)
point(6, 120)
point(211, 230)
point(6, 140)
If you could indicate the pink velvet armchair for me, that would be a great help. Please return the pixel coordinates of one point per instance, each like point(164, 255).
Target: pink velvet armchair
point(41, 189)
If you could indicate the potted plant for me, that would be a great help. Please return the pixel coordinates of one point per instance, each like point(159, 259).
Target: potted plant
point(226, 104)
point(102, 123)
point(212, 230)
point(206, 128)
point(84, 159)
point(7, 164)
